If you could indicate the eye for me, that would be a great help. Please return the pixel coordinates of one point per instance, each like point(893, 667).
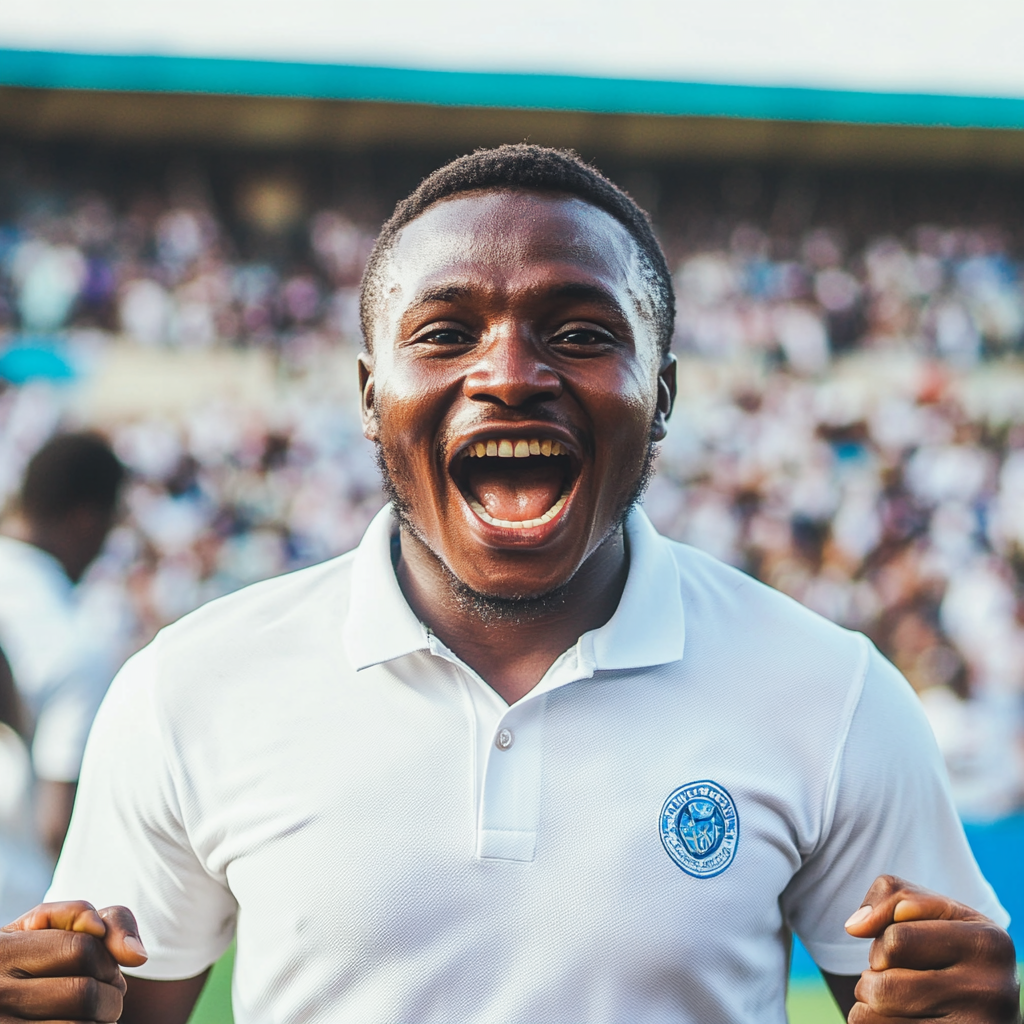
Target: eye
point(583, 339)
point(446, 337)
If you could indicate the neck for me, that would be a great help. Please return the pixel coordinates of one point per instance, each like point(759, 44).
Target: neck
point(511, 644)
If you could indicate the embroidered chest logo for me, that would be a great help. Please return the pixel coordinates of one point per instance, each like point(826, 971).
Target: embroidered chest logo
point(700, 828)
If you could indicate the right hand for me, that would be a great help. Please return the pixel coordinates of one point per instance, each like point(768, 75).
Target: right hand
point(59, 963)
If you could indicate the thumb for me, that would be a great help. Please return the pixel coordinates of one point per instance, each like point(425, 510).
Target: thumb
point(73, 916)
point(122, 937)
point(891, 900)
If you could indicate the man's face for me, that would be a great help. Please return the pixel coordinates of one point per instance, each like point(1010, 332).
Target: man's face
point(515, 385)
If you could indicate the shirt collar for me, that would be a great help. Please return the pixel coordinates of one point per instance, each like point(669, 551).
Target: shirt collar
point(381, 626)
point(647, 628)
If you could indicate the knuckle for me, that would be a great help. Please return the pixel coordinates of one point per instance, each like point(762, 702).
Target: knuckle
point(883, 887)
point(882, 990)
point(993, 944)
point(880, 885)
point(72, 946)
point(79, 906)
point(999, 991)
point(983, 993)
point(80, 952)
point(86, 995)
point(878, 954)
point(864, 992)
point(894, 941)
point(860, 1014)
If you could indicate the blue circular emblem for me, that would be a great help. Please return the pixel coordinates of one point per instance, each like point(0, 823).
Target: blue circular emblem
point(700, 828)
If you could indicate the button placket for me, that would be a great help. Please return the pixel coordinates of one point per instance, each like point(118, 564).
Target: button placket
point(510, 802)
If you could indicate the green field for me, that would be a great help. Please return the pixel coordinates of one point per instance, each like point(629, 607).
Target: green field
point(809, 1002)
point(214, 1006)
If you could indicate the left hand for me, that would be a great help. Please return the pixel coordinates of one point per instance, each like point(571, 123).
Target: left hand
point(932, 959)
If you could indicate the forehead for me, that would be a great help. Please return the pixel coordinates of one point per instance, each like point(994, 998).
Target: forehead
point(507, 239)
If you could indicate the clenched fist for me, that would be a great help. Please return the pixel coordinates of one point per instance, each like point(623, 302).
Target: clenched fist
point(59, 963)
point(932, 959)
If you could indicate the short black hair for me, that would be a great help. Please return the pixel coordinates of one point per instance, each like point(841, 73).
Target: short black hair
point(69, 471)
point(530, 168)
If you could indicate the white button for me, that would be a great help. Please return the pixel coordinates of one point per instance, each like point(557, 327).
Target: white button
point(504, 739)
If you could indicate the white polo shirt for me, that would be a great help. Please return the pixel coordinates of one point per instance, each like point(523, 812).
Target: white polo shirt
point(24, 866)
point(62, 663)
point(304, 765)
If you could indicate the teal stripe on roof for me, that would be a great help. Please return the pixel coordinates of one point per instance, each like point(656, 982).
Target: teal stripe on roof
point(51, 70)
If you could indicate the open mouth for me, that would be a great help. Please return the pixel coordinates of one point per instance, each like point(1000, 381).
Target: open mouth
point(516, 483)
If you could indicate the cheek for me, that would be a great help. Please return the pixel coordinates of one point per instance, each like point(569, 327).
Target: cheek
point(623, 413)
point(405, 407)
point(410, 414)
point(400, 440)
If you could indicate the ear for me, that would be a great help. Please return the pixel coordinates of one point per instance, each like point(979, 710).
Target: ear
point(666, 397)
point(367, 412)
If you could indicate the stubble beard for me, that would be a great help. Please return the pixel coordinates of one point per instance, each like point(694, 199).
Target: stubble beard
point(488, 608)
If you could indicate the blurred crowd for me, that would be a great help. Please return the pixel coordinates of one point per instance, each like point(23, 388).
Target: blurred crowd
point(850, 426)
point(851, 432)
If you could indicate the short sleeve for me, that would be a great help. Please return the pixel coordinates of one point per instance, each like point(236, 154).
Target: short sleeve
point(127, 844)
point(892, 814)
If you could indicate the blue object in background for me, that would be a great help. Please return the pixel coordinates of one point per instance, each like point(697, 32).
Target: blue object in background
point(999, 848)
point(29, 360)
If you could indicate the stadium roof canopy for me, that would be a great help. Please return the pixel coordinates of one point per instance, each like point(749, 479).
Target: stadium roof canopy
point(874, 62)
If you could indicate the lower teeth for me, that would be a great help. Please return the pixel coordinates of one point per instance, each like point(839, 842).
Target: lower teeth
point(508, 523)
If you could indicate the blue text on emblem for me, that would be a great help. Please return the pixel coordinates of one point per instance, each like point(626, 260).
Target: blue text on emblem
point(700, 828)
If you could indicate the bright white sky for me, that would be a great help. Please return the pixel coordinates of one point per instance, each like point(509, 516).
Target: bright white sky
point(944, 46)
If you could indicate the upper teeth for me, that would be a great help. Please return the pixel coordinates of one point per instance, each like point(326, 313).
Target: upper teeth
point(506, 449)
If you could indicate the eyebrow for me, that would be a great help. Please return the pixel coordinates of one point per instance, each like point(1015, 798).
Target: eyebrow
point(568, 290)
point(445, 293)
point(587, 292)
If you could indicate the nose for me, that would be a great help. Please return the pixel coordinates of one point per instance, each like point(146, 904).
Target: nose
point(511, 370)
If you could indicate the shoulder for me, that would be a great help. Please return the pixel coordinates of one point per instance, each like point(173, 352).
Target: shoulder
point(246, 637)
point(280, 603)
point(733, 599)
point(32, 574)
point(37, 615)
point(764, 646)
point(219, 690)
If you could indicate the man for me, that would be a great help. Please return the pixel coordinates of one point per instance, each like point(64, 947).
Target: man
point(66, 506)
point(517, 757)
point(24, 872)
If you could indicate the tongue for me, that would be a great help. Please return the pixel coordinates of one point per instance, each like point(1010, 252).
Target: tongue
point(517, 493)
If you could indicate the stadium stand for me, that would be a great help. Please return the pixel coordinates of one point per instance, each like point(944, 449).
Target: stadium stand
point(850, 427)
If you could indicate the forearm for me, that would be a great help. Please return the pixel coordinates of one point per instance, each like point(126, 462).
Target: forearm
point(161, 1002)
point(841, 986)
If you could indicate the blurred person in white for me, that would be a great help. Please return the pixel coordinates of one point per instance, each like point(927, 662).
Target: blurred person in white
point(61, 663)
point(23, 870)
